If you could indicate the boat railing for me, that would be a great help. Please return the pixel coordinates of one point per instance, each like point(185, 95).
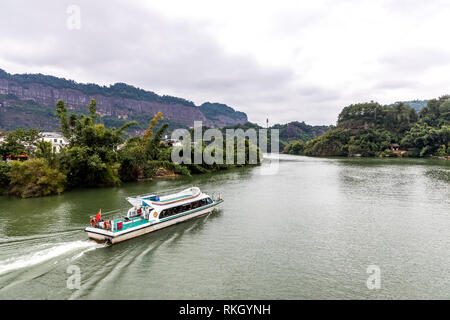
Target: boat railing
point(216, 196)
point(107, 215)
point(114, 218)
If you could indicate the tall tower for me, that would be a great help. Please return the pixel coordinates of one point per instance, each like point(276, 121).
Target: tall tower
point(267, 123)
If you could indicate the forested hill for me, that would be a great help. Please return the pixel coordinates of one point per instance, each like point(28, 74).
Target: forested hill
point(288, 132)
point(370, 129)
point(28, 101)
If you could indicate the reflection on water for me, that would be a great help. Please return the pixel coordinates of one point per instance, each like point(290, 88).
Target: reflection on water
point(309, 231)
point(439, 174)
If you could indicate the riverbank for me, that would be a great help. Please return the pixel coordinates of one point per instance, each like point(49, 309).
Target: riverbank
point(96, 156)
point(441, 157)
point(390, 155)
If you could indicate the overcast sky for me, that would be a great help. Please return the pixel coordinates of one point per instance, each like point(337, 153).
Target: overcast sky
point(285, 60)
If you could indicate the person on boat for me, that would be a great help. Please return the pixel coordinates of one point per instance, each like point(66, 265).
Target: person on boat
point(98, 216)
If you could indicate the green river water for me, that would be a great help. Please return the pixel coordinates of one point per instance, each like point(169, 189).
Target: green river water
point(310, 231)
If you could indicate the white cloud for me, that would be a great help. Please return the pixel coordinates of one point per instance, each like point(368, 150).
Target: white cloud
point(288, 60)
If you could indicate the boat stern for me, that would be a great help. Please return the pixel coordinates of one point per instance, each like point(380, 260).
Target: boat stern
point(99, 235)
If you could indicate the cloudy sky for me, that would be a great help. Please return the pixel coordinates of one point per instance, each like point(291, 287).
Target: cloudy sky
point(285, 60)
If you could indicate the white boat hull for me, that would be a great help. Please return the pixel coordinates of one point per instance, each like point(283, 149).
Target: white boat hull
point(115, 237)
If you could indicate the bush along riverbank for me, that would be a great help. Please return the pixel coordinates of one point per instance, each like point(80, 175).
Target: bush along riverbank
point(95, 156)
point(370, 129)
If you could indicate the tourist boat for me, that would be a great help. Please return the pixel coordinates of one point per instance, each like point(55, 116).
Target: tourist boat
point(150, 213)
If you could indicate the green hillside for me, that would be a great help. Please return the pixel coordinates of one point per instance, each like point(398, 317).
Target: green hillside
point(370, 129)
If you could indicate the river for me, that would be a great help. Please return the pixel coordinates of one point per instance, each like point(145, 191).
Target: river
point(315, 229)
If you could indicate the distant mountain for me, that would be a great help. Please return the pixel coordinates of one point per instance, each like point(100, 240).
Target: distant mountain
point(289, 132)
point(299, 131)
point(221, 114)
point(415, 104)
point(28, 100)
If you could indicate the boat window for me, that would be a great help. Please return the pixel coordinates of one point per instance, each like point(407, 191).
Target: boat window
point(170, 212)
point(151, 198)
point(185, 207)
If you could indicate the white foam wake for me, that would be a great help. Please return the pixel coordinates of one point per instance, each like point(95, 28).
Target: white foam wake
point(37, 257)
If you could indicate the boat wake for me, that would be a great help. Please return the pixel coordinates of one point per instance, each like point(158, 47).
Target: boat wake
point(34, 258)
point(7, 241)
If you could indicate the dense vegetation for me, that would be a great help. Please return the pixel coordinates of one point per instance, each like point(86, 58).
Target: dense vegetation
point(294, 131)
point(94, 156)
point(19, 142)
point(415, 104)
point(370, 129)
point(35, 178)
point(287, 133)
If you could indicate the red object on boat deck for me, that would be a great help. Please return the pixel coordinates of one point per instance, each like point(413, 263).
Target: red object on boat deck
point(98, 216)
point(119, 225)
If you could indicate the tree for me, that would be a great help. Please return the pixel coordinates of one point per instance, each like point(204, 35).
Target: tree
point(136, 155)
point(46, 151)
point(333, 143)
point(360, 115)
point(426, 140)
point(295, 147)
point(34, 178)
point(20, 141)
point(153, 123)
point(4, 175)
point(91, 157)
point(437, 112)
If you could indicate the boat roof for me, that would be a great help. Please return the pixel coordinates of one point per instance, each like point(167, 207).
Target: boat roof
point(167, 201)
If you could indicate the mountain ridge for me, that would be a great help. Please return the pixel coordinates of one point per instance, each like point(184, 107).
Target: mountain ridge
point(34, 95)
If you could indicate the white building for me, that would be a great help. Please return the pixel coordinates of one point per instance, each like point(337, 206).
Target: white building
point(56, 139)
point(172, 142)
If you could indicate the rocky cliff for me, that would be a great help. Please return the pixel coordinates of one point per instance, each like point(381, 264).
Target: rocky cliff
point(27, 99)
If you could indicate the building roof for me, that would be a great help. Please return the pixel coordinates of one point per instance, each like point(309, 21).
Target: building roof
point(52, 135)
